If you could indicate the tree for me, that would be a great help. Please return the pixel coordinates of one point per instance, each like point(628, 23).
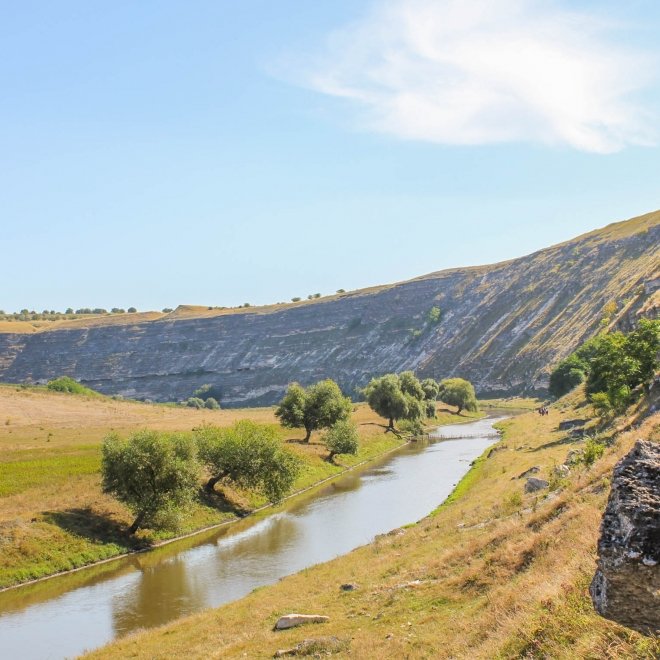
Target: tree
point(211, 404)
point(431, 389)
point(569, 373)
point(387, 398)
point(341, 438)
point(195, 402)
point(458, 392)
point(643, 344)
point(434, 315)
point(248, 455)
point(319, 406)
point(152, 473)
point(131, 310)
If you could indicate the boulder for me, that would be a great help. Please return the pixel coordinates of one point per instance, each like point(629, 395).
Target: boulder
point(533, 484)
point(626, 586)
point(349, 586)
point(293, 620)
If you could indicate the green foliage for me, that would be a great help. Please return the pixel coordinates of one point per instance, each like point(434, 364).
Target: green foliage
point(69, 385)
point(153, 473)
point(207, 391)
point(431, 389)
point(211, 404)
point(341, 438)
point(131, 310)
point(317, 407)
point(568, 374)
point(593, 450)
point(195, 402)
point(613, 365)
point(601, 404)
point(434, 315)
point(248, 455)
point(396, 397)
point(412, 427)
point(458, 392)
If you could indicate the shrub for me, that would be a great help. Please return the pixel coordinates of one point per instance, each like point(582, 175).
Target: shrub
point(195, 402)
point(69, 385)
point(211, 404)
point(341, 438)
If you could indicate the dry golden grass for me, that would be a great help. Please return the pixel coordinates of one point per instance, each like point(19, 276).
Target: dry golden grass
point(493, 574)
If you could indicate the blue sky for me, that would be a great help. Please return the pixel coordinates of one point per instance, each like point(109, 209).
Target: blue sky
point(222, 152)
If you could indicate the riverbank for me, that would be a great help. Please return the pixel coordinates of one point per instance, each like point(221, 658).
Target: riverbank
point(54, 517)
point(494, 572)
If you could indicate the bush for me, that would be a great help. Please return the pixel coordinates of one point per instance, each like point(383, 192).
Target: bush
point(593, 450)
point(341, 438)
point(195, 402)
point(412, 427)
point(69, 385)
point(211, 404)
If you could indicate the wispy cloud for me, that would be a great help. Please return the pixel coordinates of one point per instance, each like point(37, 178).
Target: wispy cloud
point(489, 71)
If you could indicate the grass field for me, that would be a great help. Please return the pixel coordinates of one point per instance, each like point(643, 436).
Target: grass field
point(492, 573)
point(53, 515)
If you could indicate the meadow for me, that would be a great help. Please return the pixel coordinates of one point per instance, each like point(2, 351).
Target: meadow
point(53, 514)
point(492, 573)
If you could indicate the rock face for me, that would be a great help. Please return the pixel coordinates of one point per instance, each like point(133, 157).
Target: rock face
point(626, 587)
point(500, 327)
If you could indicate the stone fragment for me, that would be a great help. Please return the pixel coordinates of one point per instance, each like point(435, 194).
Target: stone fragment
point(562, 470)
point(626, 586)
point(533, 470)
point(533, 484)
point(293, 620)
point(349, 586)
point(317, 647)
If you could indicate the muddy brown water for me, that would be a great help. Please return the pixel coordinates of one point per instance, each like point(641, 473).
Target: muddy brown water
point(64, 616)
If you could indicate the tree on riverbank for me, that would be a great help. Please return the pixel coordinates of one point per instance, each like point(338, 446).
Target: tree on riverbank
point(248, 455)
point(154, 474)
point(395, 397)
point(458, 392)
point(317, 407)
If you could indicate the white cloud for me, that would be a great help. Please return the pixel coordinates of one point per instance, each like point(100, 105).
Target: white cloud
point(489, 71)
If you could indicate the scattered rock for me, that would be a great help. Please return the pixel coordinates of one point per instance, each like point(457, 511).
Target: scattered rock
point(533, 470)
point(317, 646)
point(562, 470)
point(569, 424)
point(626, 586)
point(293, 620)
point(349, 586)
point(533, 484)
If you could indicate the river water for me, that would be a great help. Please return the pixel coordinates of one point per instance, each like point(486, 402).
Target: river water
point(62, 617)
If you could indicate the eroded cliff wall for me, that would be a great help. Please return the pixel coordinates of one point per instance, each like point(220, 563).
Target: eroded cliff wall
point(501, 326)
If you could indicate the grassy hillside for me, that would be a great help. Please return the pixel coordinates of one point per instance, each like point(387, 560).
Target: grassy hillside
point(53, 515)
point(493, 573)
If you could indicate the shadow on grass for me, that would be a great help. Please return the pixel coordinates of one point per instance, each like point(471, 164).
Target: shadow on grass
point(568, 440)
point(220, 502)
point(95, 527)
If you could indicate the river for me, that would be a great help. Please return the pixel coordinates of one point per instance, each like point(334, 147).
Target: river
point(68, 614)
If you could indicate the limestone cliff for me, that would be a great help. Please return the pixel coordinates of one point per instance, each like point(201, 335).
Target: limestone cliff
point(501, 326)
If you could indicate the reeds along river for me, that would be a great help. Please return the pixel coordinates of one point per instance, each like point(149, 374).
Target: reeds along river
point(64, 616)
